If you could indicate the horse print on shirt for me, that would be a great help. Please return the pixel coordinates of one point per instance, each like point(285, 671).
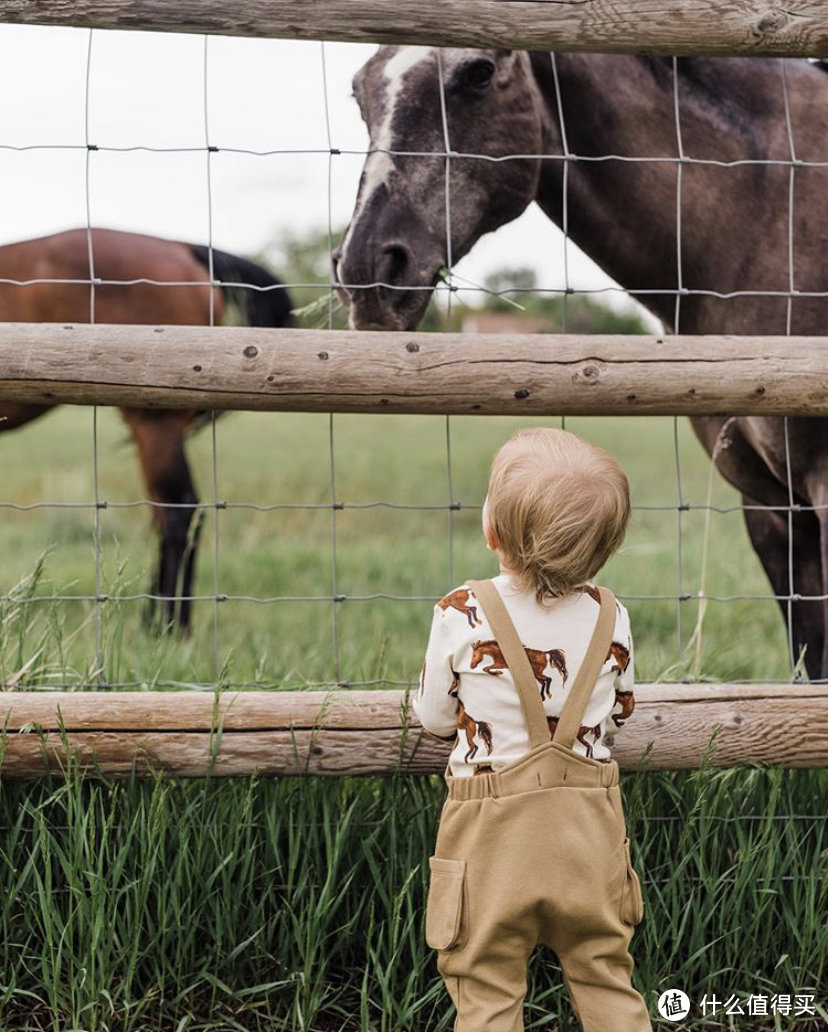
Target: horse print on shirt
point(552, 723)
point(538, 659)
point(453, 687)
point(459, 600)
point(473, 728)
point(621, 654)
point(557, 658)
point(627, 701)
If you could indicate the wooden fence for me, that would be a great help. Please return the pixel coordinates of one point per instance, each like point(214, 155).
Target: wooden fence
point(342, 371)
point(190, 734)
point(224, 733)
point(799, 27)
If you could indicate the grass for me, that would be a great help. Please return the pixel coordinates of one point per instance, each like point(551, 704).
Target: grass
point(298, 904)
point(284, 459)
point(292, 904)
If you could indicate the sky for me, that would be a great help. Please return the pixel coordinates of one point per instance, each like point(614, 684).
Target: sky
point(147, 90)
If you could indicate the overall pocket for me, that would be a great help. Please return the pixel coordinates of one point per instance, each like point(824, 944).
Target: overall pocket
point(445, 907)
point(631, 910)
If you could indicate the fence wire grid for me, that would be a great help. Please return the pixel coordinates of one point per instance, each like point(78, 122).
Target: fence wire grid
point(332, 594)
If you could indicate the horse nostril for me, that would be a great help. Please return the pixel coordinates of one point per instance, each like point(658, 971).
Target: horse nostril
point(393, 265)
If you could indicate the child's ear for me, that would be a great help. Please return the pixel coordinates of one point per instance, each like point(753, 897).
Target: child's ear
point(491, 540)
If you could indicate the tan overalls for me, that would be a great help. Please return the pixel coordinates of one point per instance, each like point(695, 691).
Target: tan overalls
point(537, 853)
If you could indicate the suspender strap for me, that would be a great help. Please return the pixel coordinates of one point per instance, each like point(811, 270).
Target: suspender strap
point(517, 661)
point(581, 689)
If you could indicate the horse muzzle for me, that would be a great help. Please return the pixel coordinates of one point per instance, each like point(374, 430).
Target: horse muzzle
point(386, 269)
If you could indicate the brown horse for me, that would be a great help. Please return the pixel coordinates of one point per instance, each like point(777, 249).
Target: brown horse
point(538, 660)
point(50, 282)
point(627, 700)
point(459, 600)
point(473, 729)
point(621, 656)
point(721, 164)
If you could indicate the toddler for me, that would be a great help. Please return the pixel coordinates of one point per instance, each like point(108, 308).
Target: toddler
point(529, 674)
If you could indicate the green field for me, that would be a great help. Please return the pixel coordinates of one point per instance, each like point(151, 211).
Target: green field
point(284, 459)
point(292, 904)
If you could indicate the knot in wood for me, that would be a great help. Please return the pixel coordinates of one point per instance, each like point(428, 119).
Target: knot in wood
point(322, 355)
point(250, 351)
point(521, 394)
point(772, 21)
point(589, 373)
point(412, 347)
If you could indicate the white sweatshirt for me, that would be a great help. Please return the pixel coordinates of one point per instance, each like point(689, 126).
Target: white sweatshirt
point(466, 687)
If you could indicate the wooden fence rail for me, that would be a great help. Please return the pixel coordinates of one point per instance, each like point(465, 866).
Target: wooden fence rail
point(445, 373)
point(188, 734)
point(797, 27)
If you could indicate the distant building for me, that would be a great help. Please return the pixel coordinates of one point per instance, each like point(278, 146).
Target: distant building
point(504, 322)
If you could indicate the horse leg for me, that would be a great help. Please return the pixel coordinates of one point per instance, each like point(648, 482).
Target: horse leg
point(472, 752)
point(159, 438)
point(581, 732)
point(816, 487)
point(768, 532)
point(822, 518)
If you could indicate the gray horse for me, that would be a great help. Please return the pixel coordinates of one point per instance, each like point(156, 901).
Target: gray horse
point(736, 234)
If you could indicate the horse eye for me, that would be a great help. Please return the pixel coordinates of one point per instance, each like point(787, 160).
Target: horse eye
point(478, 75)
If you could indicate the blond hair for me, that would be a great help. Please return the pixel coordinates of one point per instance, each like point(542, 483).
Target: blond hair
point(558, 507)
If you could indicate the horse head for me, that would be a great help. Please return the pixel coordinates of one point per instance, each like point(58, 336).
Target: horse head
point(393, 252)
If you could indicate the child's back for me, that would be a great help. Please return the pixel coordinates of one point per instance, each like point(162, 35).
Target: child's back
point(466, 685)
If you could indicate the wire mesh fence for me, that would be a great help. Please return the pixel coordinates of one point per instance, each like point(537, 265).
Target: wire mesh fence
point(325, 539)
point(692, 517)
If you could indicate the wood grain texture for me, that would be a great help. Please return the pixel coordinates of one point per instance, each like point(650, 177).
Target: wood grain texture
point(191, 734)
point(451, 373)
point(344, 710)
point(799, 27)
